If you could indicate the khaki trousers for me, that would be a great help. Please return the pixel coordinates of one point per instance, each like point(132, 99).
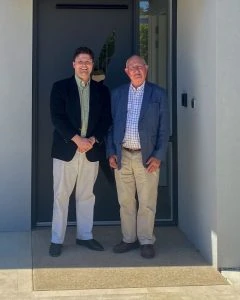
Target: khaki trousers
point(136, 223)
point(82, 173)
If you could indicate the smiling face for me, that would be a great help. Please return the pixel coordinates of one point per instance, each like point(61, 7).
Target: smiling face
point(83, 66)
point(136, 69)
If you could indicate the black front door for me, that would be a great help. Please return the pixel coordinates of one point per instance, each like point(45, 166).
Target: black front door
point(61, 27)
point(114, 29)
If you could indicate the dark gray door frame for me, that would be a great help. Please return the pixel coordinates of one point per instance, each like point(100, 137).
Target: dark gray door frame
point(34, 207)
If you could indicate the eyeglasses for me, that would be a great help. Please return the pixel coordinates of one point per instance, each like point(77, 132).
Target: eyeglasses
point(135, 67)
point(87, 63)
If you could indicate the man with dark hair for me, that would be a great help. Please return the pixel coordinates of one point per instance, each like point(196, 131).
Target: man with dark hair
point(80, 112)
point(83, 50)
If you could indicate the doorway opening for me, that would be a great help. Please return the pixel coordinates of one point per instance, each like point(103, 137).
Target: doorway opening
point(114, 29)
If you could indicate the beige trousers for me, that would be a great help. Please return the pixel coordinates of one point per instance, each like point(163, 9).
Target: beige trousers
point(82, 173)
point(136, 222)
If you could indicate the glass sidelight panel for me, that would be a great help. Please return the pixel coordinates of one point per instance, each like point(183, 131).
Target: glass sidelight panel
point(154, 44)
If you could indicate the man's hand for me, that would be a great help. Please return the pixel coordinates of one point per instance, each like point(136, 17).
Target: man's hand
point(82, 143)
point(92, 140)
point(153, 164)
point(113, 161)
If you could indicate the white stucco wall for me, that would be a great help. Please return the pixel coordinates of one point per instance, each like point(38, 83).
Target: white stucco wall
point(196, 64)
point(209, 139)
point(15, 114)
point(228, 133)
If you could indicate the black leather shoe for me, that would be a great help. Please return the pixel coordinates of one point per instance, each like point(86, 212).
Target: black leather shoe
point(90, 244)
point(147, 251)
point(55, 250)
point(125, 247)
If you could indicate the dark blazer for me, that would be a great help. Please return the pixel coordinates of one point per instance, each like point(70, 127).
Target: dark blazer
point(66, 118)
point(153, 126)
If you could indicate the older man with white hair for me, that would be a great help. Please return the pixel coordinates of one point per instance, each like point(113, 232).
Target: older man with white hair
point(137, 144)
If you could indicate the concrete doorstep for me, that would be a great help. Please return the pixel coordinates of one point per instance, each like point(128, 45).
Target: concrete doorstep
point(16, 279)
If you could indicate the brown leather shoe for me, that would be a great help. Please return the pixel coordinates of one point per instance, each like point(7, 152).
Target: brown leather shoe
point(125, 247)
point(147, 251)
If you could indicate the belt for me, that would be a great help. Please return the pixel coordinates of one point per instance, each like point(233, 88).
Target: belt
point(131, 150)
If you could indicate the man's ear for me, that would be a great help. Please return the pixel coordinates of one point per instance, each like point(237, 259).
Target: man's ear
point(126, 71)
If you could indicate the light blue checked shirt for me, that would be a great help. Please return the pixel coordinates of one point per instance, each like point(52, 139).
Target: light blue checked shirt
point(131, 139)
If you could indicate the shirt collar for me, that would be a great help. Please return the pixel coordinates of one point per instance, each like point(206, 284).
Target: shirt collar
point(80, 83)
point(138, 89)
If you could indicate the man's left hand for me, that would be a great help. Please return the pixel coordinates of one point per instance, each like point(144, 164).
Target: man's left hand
point(92, 140)
point(153, 164)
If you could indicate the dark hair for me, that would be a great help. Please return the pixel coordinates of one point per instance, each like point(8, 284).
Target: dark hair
point(84, 50)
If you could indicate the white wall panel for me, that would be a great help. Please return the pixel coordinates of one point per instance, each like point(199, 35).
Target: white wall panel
point(228, 133)
point(196, 65)
point(15, 114)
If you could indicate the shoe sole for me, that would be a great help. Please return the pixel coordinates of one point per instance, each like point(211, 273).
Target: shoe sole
point(79, 243)
point(124, 251)
point(146, 256)
point(54, 255)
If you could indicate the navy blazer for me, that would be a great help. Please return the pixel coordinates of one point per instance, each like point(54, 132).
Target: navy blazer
point(66, 118)
point(153, 125)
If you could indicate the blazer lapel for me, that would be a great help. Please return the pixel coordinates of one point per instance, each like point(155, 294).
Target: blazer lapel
point(124, 100)
point(93, 106)
point(146, 100)
point(74, 96)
